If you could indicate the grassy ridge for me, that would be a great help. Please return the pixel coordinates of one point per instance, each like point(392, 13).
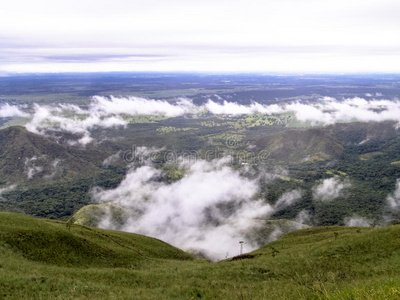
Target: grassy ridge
point(42, 259)
point(64, 244)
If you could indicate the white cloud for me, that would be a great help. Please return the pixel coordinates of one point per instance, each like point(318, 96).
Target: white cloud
point(140, 106)
point(303, 217)
point(54, 168)
point(41, 165)
point(102, 112)
point(31, 166)
point(357, 221)
point(287, 199)
point(113, 158)
point(79, 122)
point(330, 189)
point(110, 112)
point(210, 209)
point(325, 111)
point(393, 199)
point(7, 111)
point(7, 189)
point(329, 110)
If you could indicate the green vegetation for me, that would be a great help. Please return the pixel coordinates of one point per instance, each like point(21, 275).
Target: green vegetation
point(395, 163)
point(59, 200)
point(41, 259)
point(18, 147)
point(54, 242)
point(314, 144)
point(256, 120)
point(92, 214)
point(307, 156)
point(168, 129)
point(144, 118)
point(368, 156)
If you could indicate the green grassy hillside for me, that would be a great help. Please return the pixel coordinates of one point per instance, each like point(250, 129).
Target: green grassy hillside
point(42, 259)
point(66, 244)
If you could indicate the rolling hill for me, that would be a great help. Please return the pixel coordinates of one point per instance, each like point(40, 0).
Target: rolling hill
point(41, 259)
point(66, 244)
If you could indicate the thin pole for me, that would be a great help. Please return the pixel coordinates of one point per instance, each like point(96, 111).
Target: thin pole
point(241, 247)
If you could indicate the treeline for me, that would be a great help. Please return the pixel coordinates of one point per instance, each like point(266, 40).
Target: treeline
point(58, 201)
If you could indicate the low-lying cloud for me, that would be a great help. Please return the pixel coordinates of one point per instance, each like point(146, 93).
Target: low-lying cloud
point(329, 110)
point(71, 118)
point(209, 210)
point(393, 200)
point(107, 112)
point(7, 189)
point(325, 111)
point(330, 189)
point(357, 221)
point(9, 111)
point(140, 106)
point(31, 166)
point(303, 217)
point(102, 112)
point(113, 158)
point(41, 166)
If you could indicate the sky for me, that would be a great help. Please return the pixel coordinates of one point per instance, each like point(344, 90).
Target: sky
point(284, 36)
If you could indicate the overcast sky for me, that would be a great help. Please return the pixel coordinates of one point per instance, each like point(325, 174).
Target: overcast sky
point(229, 36)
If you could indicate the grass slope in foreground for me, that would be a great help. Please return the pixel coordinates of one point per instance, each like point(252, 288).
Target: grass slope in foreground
point(43, 259)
